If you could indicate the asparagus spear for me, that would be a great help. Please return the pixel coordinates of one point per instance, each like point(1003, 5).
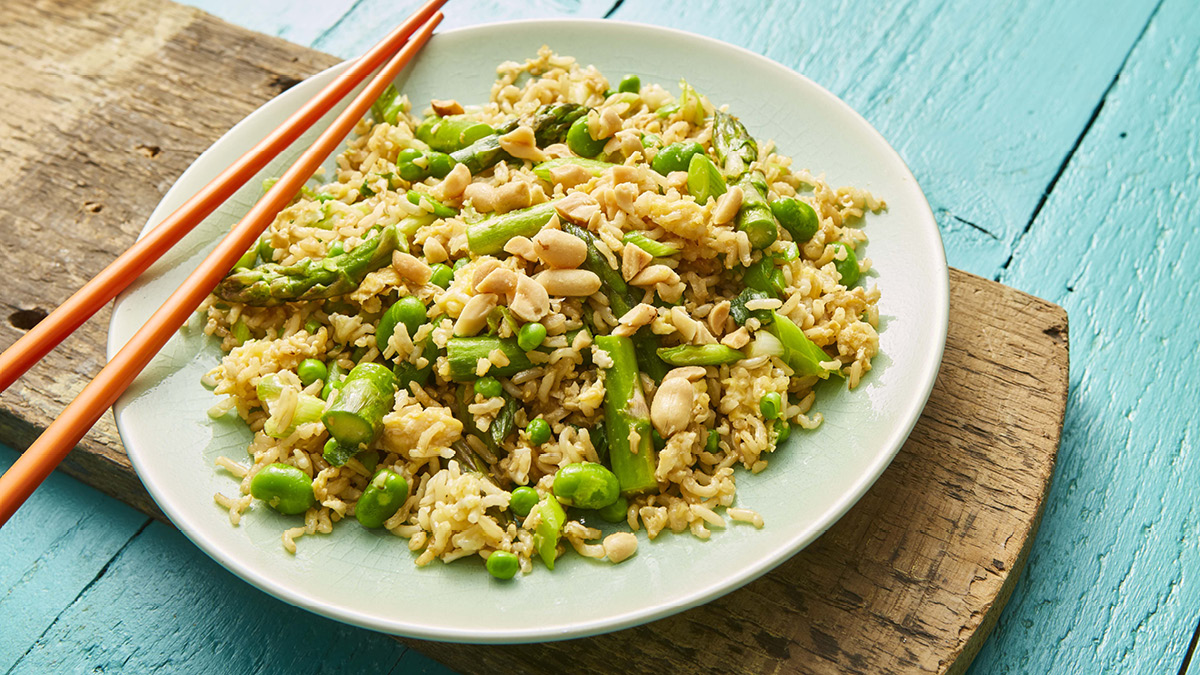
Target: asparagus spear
point(489, 235)
point(500, 427)
point(700, 355)
point(356, 417)
point(549, 123)
point(736, 149)
point(593, 166)
point(621, 299)
point(464, 353)
point(625, 410)
point(275, 284)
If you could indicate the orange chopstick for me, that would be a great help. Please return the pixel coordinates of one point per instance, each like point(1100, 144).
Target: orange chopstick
point(32, 467)
point(22, 354)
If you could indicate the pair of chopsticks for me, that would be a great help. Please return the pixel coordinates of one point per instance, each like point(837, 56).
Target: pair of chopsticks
point(39, 460)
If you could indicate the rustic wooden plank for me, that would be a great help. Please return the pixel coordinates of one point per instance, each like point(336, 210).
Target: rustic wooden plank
point(983, 100)
point(1116, 245)
point(920, 567)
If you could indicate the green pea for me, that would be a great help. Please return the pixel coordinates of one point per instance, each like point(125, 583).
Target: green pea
point(488, 387)
point(848, 268)
point(408, 310)
point(312, 326)
point(284, 488)
point(404, 164)
point(311, 370)
point(771, 405)
point(580, 140)
point(523, 500)
point(782, 430)
point(797, 217)
point(538, 430)
point(384, 496)
point(442, 275)
point(335, 249)
point(439, 163)
point(713, 443)
point(675, 157)
point(615, 512)
point(503, 565)
point(587, 485)
point(531, 336)
point(461, 263)
point(630, 84)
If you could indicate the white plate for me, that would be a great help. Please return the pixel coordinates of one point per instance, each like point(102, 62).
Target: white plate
point(367, 578)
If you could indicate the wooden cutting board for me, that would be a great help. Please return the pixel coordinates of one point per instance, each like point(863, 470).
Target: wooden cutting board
point(106, 102)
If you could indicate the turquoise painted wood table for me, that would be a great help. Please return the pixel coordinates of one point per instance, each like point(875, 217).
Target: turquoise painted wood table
point(1058, 145)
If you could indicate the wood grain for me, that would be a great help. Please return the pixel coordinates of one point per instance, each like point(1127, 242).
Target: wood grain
point(911, 579)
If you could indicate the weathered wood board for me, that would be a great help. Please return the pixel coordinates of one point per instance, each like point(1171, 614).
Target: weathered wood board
point(108, 101)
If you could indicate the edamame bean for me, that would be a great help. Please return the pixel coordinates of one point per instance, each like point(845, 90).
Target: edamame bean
point(523, 500)
point(538, 430)
point(782, 430)
point(488, 387)
point(408, 170)
point(615, 512)
point(384, 496)
point(311, 370)
point(771, 405)
point(461, 263)
point(675, 157)
point(587, 485)
point(580, 140)
point(630, 84)
point(848, 268)
point(503, 565)
point(442, 275)
point(797, 217)
point(531, 336)
point(284, 488)
point(408, 310)
point(439, 164)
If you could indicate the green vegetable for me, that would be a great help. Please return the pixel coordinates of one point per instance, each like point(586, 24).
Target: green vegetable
point(410, 171)
point(408, 310)
point(782, 430)
point(631, 84)
point(548, 530)
point(700, 355)
point(580, 140)
point(625, 410)
point(384, 496)
point(615, 512)
point(489, 235)
point(460, 263)
point(311, 370)
point(704, 179)
point(488, 387)
point(356, 416)
point(523, 500)
point(500, 427)
point(453, 132)
point(538, 431)
point(531, 336)
point(651, 246)
point(736, 150)
point(335, 249)
point(439, 164)
point(848, 268)
point(762, 275)
point(593, 166)
point(587, 485)
point(549, 123)
point(365, 190)
point(464, 353)
point(240, 332)
point(333, 382)
point(272, 284)
point(787, 341)
point(503, 565)
point(337, 454)
point(308, 409)
point(797, 217)
point(667, 110)
point(771, 405)
point(430, 204)
point(676, 157)
point(737, 309)
point(266, 252)
point(284, 488)
point(388, 106)
point(406, 372)
point(311, 327)
point(248, 258)
point(712, 444)
point(442, 275)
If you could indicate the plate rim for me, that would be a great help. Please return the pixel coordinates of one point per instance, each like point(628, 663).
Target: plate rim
point(834, 512)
